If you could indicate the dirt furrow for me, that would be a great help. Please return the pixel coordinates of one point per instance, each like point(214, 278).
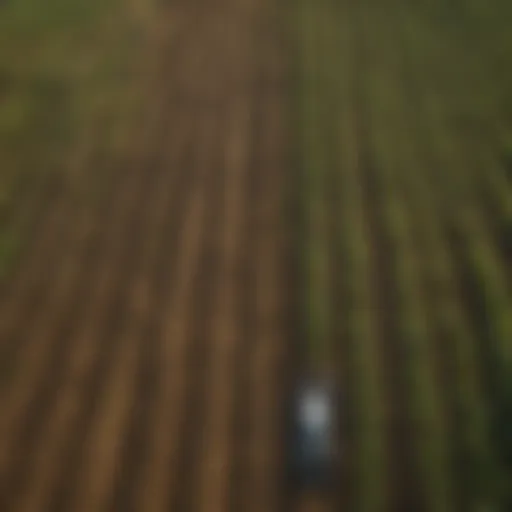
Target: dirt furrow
point(24, 296)
point(43, 241)
point(174, 215)
point(151, 377)
point(240, 425)
point(33, 367)
point(268, 368)
point(83, 351)
point(190, 421)
point(224, 78)
point(108, 330)
point(28, 384)
point(30, 298)
point(152, 488)
point(215, 449)
point(39, 373)
point(107, 431)
point(33, 357)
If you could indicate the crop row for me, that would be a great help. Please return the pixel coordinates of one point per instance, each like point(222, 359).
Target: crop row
point(485, 290)
point(363, 81)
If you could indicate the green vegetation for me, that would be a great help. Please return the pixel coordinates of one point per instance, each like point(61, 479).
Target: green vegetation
point(414, 101)
point(355, 241)
point(68, 81)
point(316, 251)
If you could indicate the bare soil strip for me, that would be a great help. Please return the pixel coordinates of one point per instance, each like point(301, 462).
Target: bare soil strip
point(149, 333)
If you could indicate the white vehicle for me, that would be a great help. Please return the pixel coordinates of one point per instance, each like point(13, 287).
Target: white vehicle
point(314, 435)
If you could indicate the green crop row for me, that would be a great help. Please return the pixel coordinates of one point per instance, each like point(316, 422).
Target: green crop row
point(366, 341)
point(429, 423)
point(424, 399)
point(324, 96)
point(313, 169)
point(480, 266)
point(471, 425)
point(430, 197)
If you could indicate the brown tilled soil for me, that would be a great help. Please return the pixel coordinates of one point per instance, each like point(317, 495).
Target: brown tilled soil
point(144, 339)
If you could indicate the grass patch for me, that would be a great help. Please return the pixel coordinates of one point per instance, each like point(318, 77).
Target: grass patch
point(70, 72)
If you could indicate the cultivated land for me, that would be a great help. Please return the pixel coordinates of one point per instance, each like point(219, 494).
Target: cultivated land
point(200, 199)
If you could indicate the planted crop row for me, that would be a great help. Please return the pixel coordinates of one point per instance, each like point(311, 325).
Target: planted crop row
point(483, 278)
point(473, 465)
point(325, 96)
point(460, 209)
point(355, 242)
point(438, 208)
point(428, 422)
point(489, 142)
point(424, 398)
point(471, 90)
point(496, 195)
point(313, 166)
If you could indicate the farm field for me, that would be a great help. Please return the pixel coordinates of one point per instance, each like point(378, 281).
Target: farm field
point(406, 198)
point(199, 201)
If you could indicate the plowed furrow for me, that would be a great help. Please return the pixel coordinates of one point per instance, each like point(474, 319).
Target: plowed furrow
point(139, 429)
point(36, 355)
point(149, 336)
point(108, 330)
point(92, 301)
point(107, 432)
point(268, 367)
point(24, 296)
point(64, 381)
point(43, 346)
point(191, 420)
point(46, 347)
point(28, 304)
point(215, 446)
point(182, 267)
point(240, 427)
